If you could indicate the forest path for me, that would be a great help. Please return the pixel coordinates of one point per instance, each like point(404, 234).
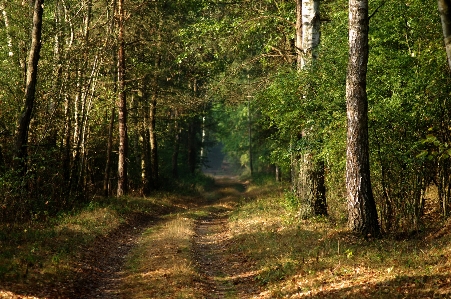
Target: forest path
point(223, 272)
point(101, 269)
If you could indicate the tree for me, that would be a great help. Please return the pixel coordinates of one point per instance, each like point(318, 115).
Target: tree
point(122, 184)
point(30, 89)
point(361, 205)
point(444, 8)
point(308, 174)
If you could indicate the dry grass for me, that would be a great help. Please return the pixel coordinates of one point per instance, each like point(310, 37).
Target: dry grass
point(287, 256)
point(161, 267)
point(38, 255)
point(319, 259)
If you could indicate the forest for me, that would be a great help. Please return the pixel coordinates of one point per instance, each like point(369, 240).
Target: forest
point(344, 105)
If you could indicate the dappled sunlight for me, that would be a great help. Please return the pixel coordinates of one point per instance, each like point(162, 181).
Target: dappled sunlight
point(318, 258)
point(11, 295)
point(161, 267)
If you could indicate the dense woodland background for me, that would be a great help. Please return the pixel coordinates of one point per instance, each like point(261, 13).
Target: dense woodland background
point(176, 78)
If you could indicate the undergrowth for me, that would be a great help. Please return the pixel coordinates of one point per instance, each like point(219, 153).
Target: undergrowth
point(320, 258)
point(45, 252)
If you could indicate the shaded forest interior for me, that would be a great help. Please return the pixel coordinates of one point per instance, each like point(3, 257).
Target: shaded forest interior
point(117, 98)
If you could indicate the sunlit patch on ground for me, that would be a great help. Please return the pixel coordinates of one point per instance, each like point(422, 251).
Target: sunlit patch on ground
point(11, 295)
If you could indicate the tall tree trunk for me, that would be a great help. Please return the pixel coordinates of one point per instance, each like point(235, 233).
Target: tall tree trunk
point(175, 152)
point(310, 31)
point(109, 150)
point(66, 148)
point(30, 89)
point(362, 212)
point(249, 123)
point(122, 184)
point(298, 41)
point(308, 174)
point(146, 171)
point(153, 113)
point(146, 176)
point(153, 137)
point(192, 154)
point(444, 8)
point(81, 106)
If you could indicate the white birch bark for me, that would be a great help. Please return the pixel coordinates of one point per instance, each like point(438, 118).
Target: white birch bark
point(444, 8)
point(310, 31)
point(9, 40)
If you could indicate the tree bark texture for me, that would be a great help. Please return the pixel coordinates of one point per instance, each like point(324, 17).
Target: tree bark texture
point(122, 184)
point(298, 42)
point(444, 8)
point(308, 178)
point(109, 150)
point(30, 89)
point(361, 205)
point(310, 31)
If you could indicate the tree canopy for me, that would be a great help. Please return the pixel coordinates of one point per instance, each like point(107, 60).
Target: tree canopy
point(198, 73)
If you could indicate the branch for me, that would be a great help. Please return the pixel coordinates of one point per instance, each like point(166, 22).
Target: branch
point(375, 11)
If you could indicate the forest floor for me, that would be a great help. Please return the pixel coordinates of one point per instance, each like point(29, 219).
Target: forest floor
point(237, 240)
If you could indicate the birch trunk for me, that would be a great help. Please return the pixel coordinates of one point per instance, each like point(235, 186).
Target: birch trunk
point(298, 42)
point(444, 8)
point(361, 205)
point(308, 174)
point(30, 89)
point(310, 31)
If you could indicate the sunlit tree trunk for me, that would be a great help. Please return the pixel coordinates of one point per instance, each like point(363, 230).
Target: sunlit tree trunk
point(444, 8)
point(310, 31)
point(308, 174)
point(362, 212)
point(80, 103)
point(30, 89)
point(122, 184)
point(298, 41)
